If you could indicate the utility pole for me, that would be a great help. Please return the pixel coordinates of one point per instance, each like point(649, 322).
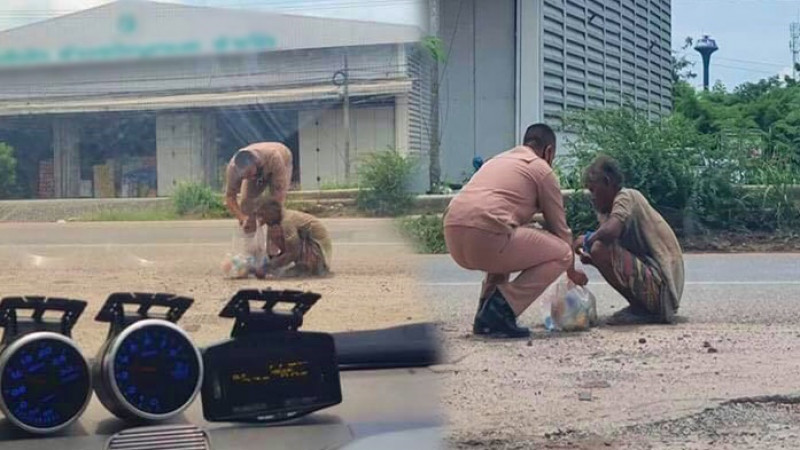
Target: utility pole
point(434, 167)
point(346, 111)
point(794, 45)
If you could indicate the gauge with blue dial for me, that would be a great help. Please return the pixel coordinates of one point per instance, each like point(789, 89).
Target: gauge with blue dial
point(155, 369)
point(44, 382)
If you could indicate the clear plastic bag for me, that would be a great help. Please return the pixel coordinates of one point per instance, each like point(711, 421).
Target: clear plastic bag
point(248, 255)
point(568, 307)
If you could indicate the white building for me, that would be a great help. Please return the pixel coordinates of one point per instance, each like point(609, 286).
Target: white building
point(133, 97)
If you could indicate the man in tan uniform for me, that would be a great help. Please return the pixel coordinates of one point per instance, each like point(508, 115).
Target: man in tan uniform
point(250, 172)
point(634, 248)
point(484, 228)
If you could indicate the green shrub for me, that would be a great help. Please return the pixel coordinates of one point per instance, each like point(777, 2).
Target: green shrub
point(195, 199)
point(8, 171)
point(580, 213)
point(426, 232)
point(657, 158)
point(697, 181)
point(385, 178)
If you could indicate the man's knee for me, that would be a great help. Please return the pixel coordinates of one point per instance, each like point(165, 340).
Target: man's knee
point(566, 260)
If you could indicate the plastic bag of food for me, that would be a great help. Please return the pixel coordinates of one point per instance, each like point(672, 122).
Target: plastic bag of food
point(248, 255)
point(568, 307)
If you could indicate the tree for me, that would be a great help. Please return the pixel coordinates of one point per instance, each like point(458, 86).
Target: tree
point(681, 66)
point(434, 49)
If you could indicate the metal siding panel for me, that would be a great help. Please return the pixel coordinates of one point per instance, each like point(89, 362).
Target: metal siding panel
point(495, 127)
point(553, 27)
point(553, 68)
point(576, 24)
point(553, 12)
point(575, 47)
point(596, 80)
point(552, 53)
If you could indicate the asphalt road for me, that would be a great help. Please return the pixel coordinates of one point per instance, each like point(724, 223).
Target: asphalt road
point(720, 288)
point(348, 232)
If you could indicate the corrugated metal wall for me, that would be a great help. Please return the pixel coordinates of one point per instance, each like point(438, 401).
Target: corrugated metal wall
point(420, 106)
point(599, 53)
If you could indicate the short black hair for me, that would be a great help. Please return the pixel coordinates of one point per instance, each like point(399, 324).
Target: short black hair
point(538, 136)
point(244, 159)
point(604, 168)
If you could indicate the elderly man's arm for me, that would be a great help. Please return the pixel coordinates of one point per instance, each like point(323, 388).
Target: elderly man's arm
point(290, 254)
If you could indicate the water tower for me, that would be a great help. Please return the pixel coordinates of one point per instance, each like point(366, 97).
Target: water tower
point(706, 46)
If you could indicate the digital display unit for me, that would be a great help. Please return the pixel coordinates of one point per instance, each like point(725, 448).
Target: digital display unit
point(45, 383)
point(270, 377)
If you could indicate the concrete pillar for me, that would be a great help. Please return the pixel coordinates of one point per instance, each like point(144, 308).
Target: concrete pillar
point(67, 161)
point(186, 150)
point(401, 124)
point(529, 83)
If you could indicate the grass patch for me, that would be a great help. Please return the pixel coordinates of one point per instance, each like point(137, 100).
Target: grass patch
point(337, 186)
point(136, 215)
point(426, 232)
point(198, 200)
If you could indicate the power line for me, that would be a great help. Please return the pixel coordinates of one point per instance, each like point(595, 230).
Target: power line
point(746, 61)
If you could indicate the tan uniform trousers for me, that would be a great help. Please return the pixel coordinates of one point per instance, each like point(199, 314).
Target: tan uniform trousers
point(540, 256)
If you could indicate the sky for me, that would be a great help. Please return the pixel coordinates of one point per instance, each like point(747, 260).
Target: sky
point(753, 35)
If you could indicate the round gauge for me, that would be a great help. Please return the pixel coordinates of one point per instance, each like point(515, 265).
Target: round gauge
point(154, 370)
point(45, 382)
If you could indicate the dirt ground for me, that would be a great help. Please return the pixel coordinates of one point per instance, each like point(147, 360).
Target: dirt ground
point(725, 376)
point(629, 388)
point(633, 388)
point(373, 285)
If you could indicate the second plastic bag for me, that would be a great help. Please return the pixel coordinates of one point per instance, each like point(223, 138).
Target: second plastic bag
point(568, 307)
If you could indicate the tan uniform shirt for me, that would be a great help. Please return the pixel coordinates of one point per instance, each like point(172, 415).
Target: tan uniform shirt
point(274, 171)
point(507, 192)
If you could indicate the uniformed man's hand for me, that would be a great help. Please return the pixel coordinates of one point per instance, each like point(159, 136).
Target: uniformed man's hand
point(249, 224)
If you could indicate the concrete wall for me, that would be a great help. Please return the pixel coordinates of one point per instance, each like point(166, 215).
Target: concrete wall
point(66, 151)
point(478, 92)
point(322, 140)
point(185, 149)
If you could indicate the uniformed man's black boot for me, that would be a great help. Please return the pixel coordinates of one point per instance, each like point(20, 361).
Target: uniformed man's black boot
point(497, 319)
point(478, 327)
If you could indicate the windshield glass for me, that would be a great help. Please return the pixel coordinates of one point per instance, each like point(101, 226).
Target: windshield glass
point(594, 202)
